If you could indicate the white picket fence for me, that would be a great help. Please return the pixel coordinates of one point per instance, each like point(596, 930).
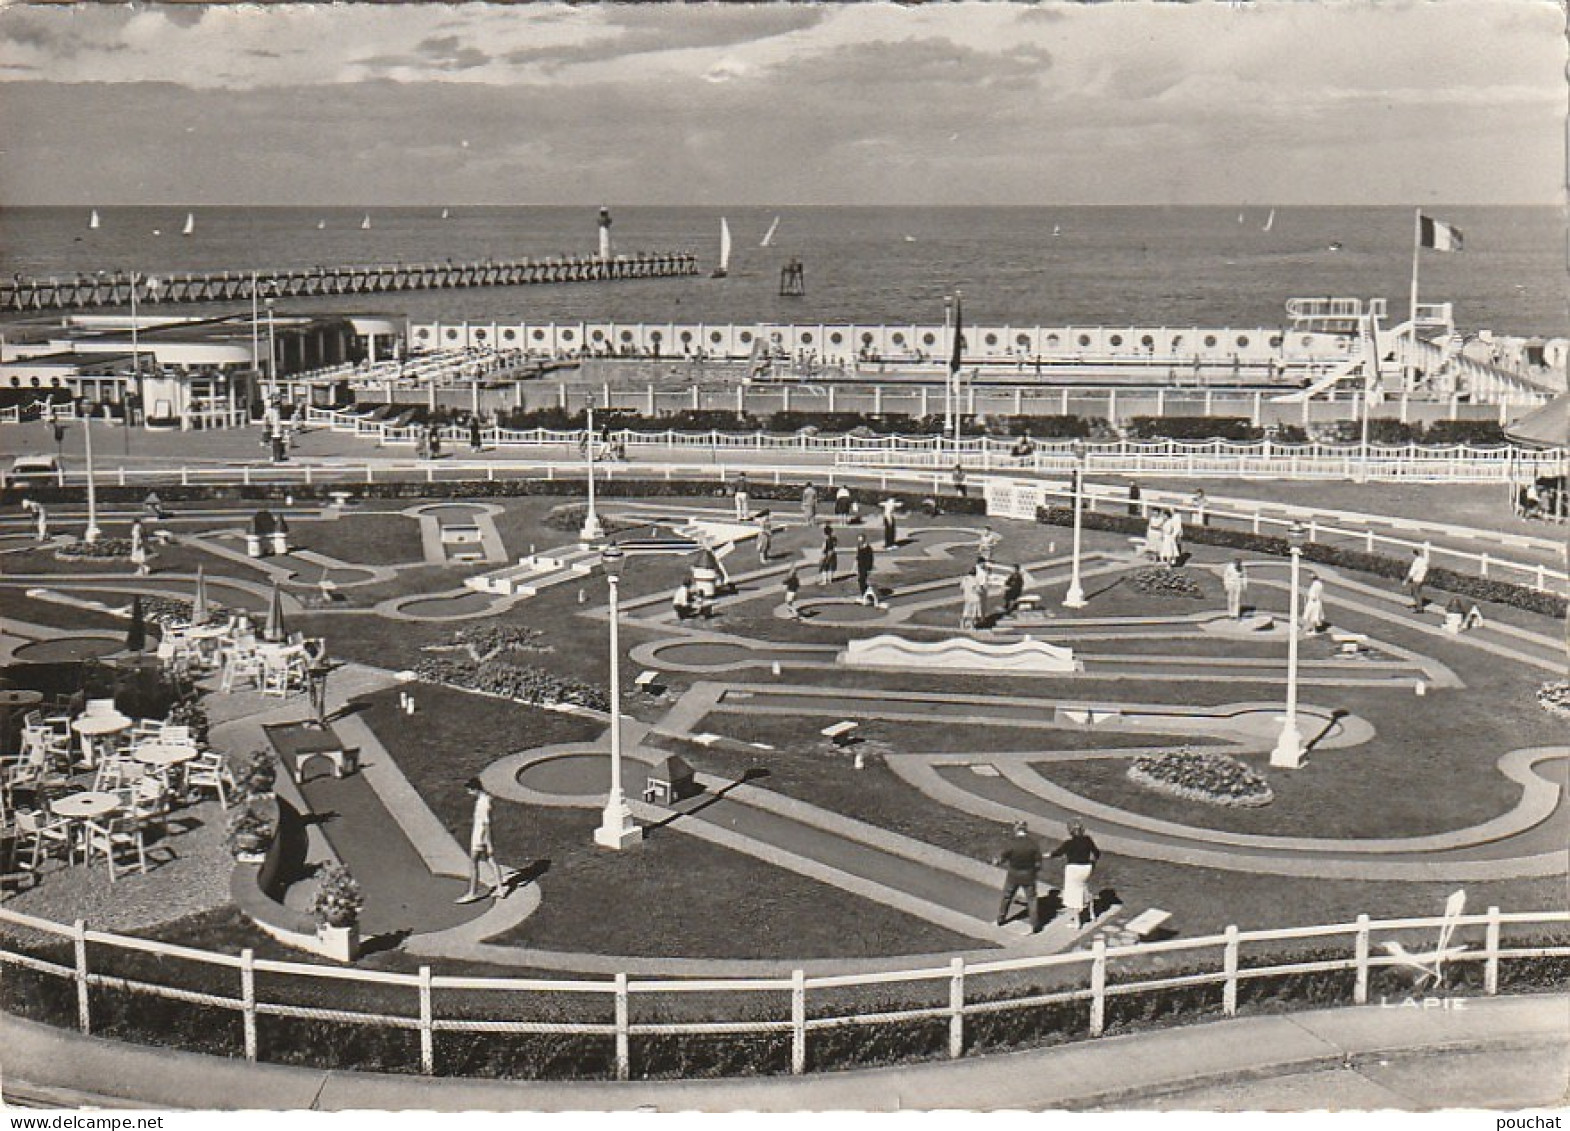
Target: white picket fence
point(1095, 975)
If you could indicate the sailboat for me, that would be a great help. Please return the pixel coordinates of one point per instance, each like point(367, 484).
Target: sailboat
point(365, 224)
point(768, 236)
point(1056, 230)
point(446, 215)
point(724, 268)
point(190, 224)
point(1270, 221)
point(92, 221)
point(321, 225)
point(1239, 217)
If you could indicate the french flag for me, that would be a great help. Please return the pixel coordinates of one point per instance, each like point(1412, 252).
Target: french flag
point(1437, 234)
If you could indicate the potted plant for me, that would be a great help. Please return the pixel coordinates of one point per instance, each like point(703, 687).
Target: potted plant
point(252, 827)
point(254, 773)
point(336, 907)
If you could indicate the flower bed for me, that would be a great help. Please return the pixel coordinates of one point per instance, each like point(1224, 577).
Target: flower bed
point(1555, 698)
point(103, 550)
point(525, 684)
point(569, 517)
point(1215, 779)
point(1163, 581)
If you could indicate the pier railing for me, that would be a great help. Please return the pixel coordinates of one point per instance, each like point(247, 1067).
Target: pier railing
point(80, 292)
point(958, 993)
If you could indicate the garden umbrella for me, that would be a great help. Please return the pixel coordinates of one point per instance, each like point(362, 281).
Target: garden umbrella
point(274, 630)
point(199, 605)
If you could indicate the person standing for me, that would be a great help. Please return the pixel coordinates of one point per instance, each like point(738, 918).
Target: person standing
point(1021, 861)
point(828, 560)
point(743, 500)
point(41, 520)
point(480, 845)
point(765, 536)
point(792, 591)
point(317, 669)
point(890, 527)
point(139, 548)
point(1013, 589)
point(1135, 507)
point(1314, 606)
point(1080, 855)
point(970, 609)
point(475, 444)
point(842, 502)
point(1172, 538)
point(959, 481)
point(1153, 533)
point(863, 563)
point(809, 504)
point(1416, 575)
point(1235, 581)
point(1197, 503)
point(987, 544)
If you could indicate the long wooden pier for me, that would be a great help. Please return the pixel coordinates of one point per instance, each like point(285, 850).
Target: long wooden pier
point(84, 292)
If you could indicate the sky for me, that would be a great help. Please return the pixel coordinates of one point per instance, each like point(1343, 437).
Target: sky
point(1269, 101)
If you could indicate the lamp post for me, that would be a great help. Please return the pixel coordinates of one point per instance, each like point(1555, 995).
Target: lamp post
point(592, 529)
point(1075, 597)
point(1288, 753)
point(272, 357)
point(617, 829)
point(92, 489)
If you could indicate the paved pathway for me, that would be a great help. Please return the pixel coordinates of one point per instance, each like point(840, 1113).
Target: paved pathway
point(1203, 1066)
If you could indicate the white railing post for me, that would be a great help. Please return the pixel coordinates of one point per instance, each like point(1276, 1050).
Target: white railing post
point(245, 476)
point(798, 1022)
point(956, 1008)
point(1229, 970)
point(84, 1017)
point(185, 477)
point(427, 1025)
point(248, 1000)
point(307, 475)
point(122, 476)
point(623, 1056)
point(1098, 987)
point(1482, 565)
point(1360, 957)
point(1313, 530)
point(1491, 949)
point(368, 473)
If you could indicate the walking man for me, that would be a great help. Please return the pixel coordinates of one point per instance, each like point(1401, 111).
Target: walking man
point(959, 481)
point(863, 563)
point(987, 544)
point(743, 503)
point(480, 846)
point(828, 561)
point(1079, 855)
point(316, 672)
point(765, 536)
point(890, 530)
point(792, 591)
point(809, 504)
point(1021, 859)
point(1416, 574)
point(1013, 589)
point(1235, 581)
point(1314, 606)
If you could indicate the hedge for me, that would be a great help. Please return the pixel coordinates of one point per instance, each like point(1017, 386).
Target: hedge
point(1381, 565)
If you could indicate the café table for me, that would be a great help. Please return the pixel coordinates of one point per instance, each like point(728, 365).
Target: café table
point(79, 808)
point(14, 699)
point(162, 757)
point(93, 728)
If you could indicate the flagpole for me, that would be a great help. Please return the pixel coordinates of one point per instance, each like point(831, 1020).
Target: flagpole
point(948, 378)
point(1408, 377)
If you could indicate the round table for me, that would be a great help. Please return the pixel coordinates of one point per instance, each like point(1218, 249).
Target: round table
point(161, 755)
point(85, 806)
point(11, 699)
point(92, 727)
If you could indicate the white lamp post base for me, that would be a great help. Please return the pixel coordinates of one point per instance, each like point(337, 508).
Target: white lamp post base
point(592, 530)
point(1288, 754)
point(617, 828)
point(1075, 598)
point(92, 534)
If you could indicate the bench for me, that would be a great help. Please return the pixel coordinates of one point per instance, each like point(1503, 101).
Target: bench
point(840, 733)
point(1147, 922)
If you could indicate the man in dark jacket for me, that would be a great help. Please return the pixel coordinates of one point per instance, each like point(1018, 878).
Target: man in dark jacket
point(863, 563)
point(1021, 857)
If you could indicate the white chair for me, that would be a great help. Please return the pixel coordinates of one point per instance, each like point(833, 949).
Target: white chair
point(240, 664)
point(147, 801)
point(171, 734)
point(113, 840)
point(43, 834)
point(276, 674)
point(209, 771)
point(99, 707)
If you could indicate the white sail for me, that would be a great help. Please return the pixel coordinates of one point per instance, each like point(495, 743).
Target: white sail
point(321, 225)
point(365, 224)
point(724, 267)
point(1056, 230)
point(190, 224)
point(1270, 221)
point(1239, 217)
point(446, 215)
point(768, 236)
point(92, 221)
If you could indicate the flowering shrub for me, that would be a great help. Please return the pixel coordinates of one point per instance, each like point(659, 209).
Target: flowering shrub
point(338, 900)
point(525, 684)
point(485, 642)
point(1163, 581)
point(188, 711)
point(105, 549)
point(1200, 776)
point(252, 826)
point(164, 611)
point(1555, 698)
point(570, 516)
point(253, 772)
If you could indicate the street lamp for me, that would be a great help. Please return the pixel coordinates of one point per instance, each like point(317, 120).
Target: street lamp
point(617, 828)
point(592, 529)
point(1288, 753)
point(272, 356)
point(92, 490)
point(1075, 598)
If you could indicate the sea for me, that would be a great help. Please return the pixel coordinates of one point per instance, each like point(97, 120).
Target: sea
point(1086, 265)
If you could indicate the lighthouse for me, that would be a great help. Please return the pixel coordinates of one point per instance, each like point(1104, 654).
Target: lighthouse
point(605, 233)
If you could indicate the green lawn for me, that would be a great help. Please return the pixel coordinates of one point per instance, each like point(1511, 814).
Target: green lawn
point(363, 537)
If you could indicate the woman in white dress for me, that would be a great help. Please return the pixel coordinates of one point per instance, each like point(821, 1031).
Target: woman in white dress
point(1314, 605)
point(1235, 581)
point(1172, 538)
